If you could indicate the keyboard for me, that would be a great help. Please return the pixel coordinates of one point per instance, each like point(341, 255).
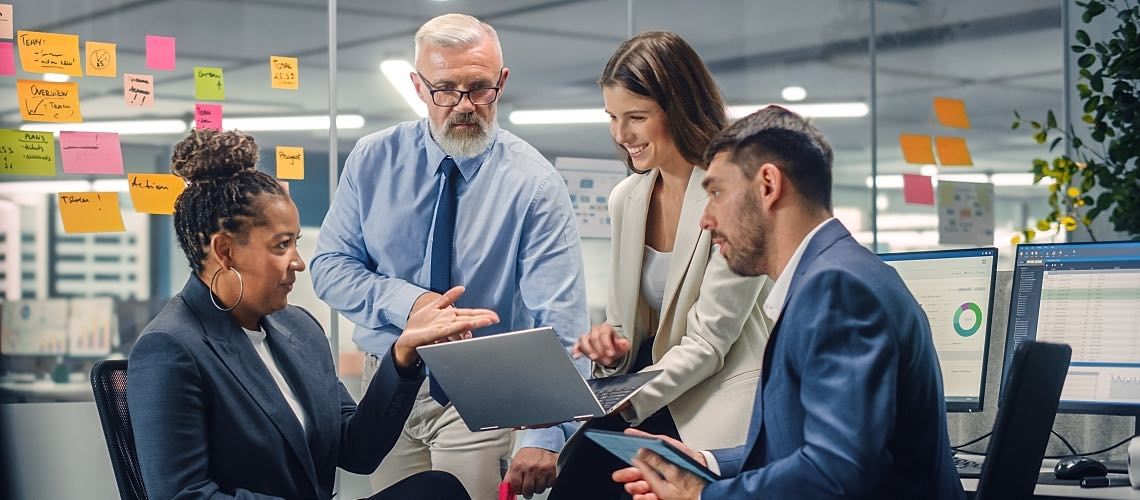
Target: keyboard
point(611, 396)
point(967, 468)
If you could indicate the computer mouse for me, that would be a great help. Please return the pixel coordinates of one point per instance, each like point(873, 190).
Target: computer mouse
point(1077, 467)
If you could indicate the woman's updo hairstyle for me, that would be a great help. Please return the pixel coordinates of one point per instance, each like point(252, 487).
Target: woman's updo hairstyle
point(223, 189)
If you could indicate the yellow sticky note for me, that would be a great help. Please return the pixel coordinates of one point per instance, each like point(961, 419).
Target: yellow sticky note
point(290, 162)
point(953, 152)
point(90, 212)
point(49, 52)
point(916, 148)
point(283, 72)
point(24, 152)
point(951, 112)
point(155, 193)
point(101, 59)
point(42, 101)
point(208, 84)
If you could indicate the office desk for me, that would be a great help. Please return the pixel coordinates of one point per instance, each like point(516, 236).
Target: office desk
point(1064, 491)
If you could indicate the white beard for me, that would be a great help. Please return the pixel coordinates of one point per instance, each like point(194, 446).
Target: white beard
point(464, 145)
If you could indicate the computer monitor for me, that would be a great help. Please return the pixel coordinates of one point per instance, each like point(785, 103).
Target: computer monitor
point(1086, 295)
point(956, 290)
point(34, 327)
point(93, 327)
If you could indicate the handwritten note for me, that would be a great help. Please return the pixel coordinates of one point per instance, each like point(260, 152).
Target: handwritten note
point(917, 189)
point(965, 213)
point(91, 152)
point(101, 59)
point(138, 90)
point(951, 112)
point(290, 162)
point(283, 72)
point(916, 148)
point(953, 152)
point(27, 153)
point(42, 101)
point(208, 116)
point(7, 59)
point(160, 52)
point(208, 84)
point(155, 193)
point(90, 212)
point(5, 20)
point(49, 52)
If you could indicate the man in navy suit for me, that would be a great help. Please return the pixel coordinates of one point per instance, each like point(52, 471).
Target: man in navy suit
point(850, 402)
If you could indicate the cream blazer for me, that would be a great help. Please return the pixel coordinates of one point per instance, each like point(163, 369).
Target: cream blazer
point(710, 339)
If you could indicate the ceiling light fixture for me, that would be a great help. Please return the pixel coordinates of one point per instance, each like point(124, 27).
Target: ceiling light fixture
point(558, 116)
point(283, 123)
point(123, 127)
point(816, 110)
point(397, 71)
point(1002, 180)
point(56, 77)
point(794, 93)
point(598, 115)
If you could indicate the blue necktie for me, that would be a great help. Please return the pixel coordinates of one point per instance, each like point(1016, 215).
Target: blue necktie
point(443, 247)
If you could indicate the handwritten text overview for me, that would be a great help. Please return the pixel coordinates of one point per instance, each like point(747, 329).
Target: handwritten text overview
point(42, 101)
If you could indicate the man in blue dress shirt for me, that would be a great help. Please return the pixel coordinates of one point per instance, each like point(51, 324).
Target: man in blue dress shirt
point(454, 200)
point(850, 402)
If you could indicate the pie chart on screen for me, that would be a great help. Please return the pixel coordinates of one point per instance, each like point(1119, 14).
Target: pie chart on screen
point(967, 319)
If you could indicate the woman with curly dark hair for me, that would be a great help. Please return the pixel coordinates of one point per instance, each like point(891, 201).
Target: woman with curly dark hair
point(233, 392)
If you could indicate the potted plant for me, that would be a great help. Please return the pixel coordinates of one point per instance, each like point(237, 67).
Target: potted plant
point(1102, 175)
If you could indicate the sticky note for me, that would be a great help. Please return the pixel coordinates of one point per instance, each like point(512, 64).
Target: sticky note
point(27, 153)
point(283, 72)
point(101, 59)
point(155, 193)
point(42, 101)
point(208, 116)
point(5, 20)
point(138, 90)
point(917, 189)
point(916, 148)
point(7, 59)
point(951, 112)
point(90, 212)
point(49, 52)
point(90, 152)
point(290, 162)
point(160, 52)
point(952, 151)
point(208, 84)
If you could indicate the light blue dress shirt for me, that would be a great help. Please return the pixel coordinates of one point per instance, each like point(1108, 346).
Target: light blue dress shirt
point(517, 248)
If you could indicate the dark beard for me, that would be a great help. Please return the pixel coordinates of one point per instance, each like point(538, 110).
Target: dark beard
point(749, 255)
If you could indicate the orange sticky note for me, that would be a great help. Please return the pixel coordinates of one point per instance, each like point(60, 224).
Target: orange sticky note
point(101, 59)
point(90, 212)
point(951, 112)
point(42, 101)
point(155, 193)
point(283, 72)
point(290, 162)
point(916, 148)
point(952, 151)
point(49, 52)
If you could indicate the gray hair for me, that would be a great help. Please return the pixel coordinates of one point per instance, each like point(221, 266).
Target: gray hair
point(455, 31)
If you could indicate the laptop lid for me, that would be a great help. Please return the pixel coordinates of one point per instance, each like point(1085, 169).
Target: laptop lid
point(515, 379)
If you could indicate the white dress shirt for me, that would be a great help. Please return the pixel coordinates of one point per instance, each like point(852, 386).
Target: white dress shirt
point(257, 338)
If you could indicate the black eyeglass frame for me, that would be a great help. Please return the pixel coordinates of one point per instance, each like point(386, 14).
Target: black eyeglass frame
point(462, 93)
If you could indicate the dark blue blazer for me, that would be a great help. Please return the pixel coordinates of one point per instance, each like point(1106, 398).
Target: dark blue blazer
point(210, 422)
point(850, 404)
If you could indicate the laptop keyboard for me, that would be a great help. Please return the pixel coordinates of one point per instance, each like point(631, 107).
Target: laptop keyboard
point(967, 468)
point(611, 396)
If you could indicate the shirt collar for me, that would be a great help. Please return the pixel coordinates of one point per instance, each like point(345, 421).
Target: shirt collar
point(774, 304)
point(467, 166)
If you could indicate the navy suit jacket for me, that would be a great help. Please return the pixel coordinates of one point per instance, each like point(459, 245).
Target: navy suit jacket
point(850, 404)
point(210, 422)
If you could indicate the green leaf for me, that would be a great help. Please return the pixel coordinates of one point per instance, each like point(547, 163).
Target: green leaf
point(1087, 118)
point(1086, 60)
point(1040, 137)
point(1091, 104)
point(1015, 125)
point(1097, 82)
point(1035, 125)
point(1054, 144)
point(1082, 37)
point(1077, 49)
point(1016, 114)
point(1050, 119)
point(1085, 73)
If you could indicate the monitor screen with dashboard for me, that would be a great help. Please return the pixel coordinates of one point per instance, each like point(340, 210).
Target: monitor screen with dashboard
point(1086, 295)
point(956, 290)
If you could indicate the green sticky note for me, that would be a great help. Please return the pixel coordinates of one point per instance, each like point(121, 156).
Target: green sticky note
point(27, 153)
point(208, 84)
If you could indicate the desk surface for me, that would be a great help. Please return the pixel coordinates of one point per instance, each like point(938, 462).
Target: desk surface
point(1065, 491)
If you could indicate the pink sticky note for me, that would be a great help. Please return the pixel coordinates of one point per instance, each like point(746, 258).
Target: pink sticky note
point(138, 90)
point(160, 52)
point(208, 116)
point(91, 152)
point(917, 189)
point(7, 60)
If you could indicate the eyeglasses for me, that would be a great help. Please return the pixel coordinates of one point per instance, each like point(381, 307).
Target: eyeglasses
point(449, 98)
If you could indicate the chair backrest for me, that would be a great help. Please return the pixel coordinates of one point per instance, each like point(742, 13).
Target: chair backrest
point(1024, 420)
point(109, 382)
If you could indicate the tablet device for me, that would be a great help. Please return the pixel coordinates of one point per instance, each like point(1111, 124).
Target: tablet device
point(625, 448)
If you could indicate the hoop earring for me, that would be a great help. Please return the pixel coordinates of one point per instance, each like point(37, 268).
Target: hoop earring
point(241, 289)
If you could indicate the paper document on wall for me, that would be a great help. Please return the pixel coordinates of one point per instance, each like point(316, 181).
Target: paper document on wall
point(965, 213)
point(589, 182)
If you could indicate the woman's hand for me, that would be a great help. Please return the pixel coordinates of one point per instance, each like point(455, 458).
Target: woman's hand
point(439, 321)
point(602, 345)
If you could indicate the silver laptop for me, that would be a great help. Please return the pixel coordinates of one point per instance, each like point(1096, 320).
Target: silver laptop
point(523, 379)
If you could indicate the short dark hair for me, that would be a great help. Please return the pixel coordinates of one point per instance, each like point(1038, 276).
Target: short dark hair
point(785, 139)
point(661, 66)
point(223, 189)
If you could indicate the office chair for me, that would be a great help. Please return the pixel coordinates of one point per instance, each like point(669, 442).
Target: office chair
point(109, 381)
point(1025, 416)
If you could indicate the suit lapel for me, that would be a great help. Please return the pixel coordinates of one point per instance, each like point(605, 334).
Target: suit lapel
point(685, 244)
point(633, 248)
point(296, 364)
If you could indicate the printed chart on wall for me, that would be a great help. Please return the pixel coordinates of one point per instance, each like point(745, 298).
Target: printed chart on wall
point(589, 181)
point(965, 213)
